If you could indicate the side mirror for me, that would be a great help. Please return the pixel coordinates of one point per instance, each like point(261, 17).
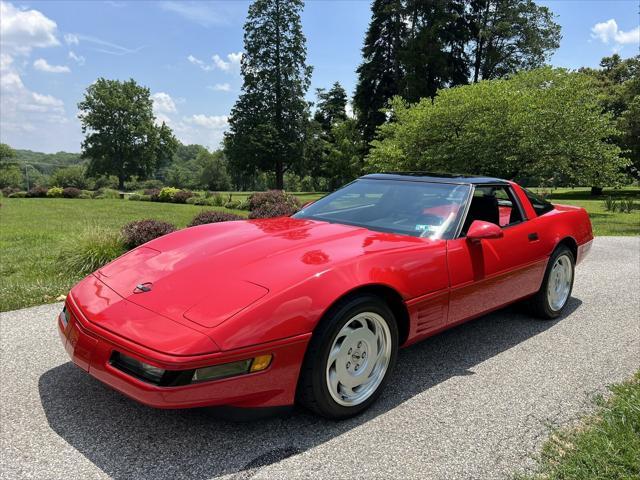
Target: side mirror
point(480, 230)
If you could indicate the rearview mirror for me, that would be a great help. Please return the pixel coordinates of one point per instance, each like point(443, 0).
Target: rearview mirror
point(480, 230)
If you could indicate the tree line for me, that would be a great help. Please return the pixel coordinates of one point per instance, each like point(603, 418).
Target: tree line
point(456, 85)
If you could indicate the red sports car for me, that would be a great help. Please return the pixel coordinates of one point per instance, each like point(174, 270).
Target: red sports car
point(313, 308)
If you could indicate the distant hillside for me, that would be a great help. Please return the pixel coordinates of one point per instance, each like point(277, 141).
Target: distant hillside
point(47, 162)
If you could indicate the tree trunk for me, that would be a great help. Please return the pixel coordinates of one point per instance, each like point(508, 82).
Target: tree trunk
point(279, 175)
point(121, 183)
point(596, 191)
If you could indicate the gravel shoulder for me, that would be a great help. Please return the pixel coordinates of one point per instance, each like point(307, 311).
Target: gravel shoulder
point(474, 402)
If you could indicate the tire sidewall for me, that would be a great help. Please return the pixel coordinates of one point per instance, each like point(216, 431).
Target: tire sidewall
point(334, 323)
point(560, 251)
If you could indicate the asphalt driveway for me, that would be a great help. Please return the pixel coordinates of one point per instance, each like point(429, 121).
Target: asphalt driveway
point(474, 402)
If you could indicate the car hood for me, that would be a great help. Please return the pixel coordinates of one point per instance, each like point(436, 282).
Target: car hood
point(202, 276)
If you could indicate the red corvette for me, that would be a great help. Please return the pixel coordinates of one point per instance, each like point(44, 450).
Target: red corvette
point(313, 308)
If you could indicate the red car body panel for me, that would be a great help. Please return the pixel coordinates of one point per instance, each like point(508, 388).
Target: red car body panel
point(230, 291)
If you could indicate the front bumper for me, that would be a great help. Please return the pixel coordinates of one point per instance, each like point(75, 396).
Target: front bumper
point(91, 348)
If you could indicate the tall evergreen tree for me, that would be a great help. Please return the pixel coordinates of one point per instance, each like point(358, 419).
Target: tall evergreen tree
point(331, 106)
point(380, 73)
point(510, 35)
point(267, 123)
point(434, 53)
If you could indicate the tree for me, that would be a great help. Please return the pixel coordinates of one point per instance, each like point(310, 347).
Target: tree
point(510, 35)
point(213, 171)
point(266, 125)
point(121, 137)
point(540, 126)
point(73, 176)
point(619, 83)
point(331, 106)
point(6, 153)
point(433, 56)
point(380, 74)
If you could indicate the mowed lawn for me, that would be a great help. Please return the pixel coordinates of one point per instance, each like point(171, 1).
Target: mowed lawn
point(604, 222)
point(33, 231)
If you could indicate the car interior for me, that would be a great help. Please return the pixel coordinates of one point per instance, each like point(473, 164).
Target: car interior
point(494, 204)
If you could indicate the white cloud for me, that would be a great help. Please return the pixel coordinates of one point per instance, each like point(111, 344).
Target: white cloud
point(221, 87)
point(23, 30)
point(71, 39)
point(610, 32)
point(231, 64)
point(79, 59)
point(44, 66)
point(213, 122)
point(163, 103)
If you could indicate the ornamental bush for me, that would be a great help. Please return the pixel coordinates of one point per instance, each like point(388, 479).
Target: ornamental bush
point(182, 196)
point(92, 249)
point(142, 231)
point(37, 192)
point(213, 216)
point(167, 194)
point(71, 192)
point(55, 192)
point(274, 203)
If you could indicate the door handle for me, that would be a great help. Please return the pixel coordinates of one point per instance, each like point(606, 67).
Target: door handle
point(533, 237)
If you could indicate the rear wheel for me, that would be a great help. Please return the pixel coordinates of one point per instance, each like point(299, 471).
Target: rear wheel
point(557, 285)
point(350, 358)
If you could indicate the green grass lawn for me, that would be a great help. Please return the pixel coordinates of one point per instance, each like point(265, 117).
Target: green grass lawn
point(604, 446)
point(604, 222)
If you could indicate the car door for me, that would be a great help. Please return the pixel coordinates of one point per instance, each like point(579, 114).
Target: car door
point(488, 274)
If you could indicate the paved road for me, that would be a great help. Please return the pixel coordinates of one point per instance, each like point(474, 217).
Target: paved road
point(474, 402)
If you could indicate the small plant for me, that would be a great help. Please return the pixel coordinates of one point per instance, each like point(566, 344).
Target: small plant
point(6, 191)
point(92, 249)
point(151, 191)
point(627, 205)
point(55, 192)
point(145, 198)
point(71, 192)
point(217, 200)
point(181, 196)
point(18, 195)
point(86, 195)
point(37, 192)
point(274, 203)
point(212, 216)
point(610, 204)
point(135, 196)
point(167, 194)
point(142, 231)
point(107, 193)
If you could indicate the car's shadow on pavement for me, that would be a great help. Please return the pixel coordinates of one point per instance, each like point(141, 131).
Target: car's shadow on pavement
point(127, 440)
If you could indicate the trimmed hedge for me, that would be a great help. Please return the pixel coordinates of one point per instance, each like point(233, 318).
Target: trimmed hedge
point(138, 232)
point(213, 216)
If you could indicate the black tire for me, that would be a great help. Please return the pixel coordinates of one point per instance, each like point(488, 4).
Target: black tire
point(313, 391)
point(539, 305)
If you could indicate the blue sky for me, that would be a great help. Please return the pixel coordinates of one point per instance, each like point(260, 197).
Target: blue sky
point(188, 54)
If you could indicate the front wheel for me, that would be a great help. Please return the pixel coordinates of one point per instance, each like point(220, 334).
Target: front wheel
point(557, 285)
point(350, 358)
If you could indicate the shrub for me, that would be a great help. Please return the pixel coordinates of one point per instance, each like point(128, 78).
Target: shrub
point(232, 204)
point(216, 199)
point(193, 200)
point(142, 231)
point(167, 194)
point(55, 192)
point(37, 192)
point(213, 216)
point(18, 195)
point(71, 192)
point(182, 196)
point(92, 249)
point(151, 183)
point(86, 195)
point(6, 191)
point(274, 203)
point(73, 176)
point(627, 205)
point(134, 196)
point(107, 193)
point(145, 198)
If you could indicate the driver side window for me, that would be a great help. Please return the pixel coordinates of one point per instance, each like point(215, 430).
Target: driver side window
point(494, 204)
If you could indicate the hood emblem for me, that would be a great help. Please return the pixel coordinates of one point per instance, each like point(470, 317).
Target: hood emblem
point(142, 287)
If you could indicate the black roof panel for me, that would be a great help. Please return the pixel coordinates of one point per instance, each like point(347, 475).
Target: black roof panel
point(437, 178)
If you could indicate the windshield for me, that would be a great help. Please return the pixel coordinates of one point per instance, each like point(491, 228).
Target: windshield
point(419, 209)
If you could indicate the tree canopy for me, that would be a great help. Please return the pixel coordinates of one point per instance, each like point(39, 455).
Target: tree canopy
point(267, 123)
point(543, 126)
point(121, 137)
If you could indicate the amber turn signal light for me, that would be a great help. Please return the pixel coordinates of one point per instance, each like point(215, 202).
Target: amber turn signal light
point(261, 362)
